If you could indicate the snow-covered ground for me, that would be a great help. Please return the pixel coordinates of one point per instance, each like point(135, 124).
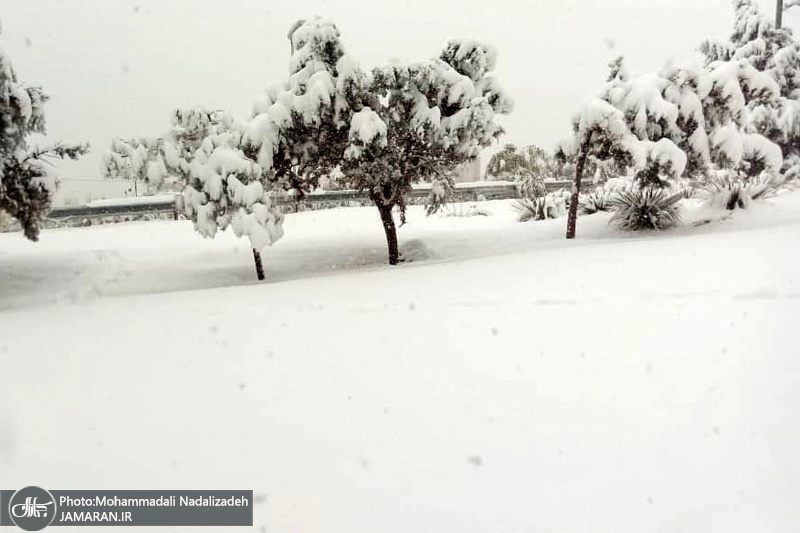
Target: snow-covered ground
point(504, 380)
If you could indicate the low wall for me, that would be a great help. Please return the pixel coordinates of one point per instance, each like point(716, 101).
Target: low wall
point(464, 192)
point(161, 208)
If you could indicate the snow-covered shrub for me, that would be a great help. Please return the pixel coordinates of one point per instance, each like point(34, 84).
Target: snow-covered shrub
point(560, 199)
point(791, 168)
point(728, 191)
point(441, 192)
point(595, 201)
point(531, 185)
point(517, 164)
point(27, 180)
point(507, 164)
point(551, 205)
point(618, 184)
point(529, 209)
point(464, 210)
point(440, 199)
point(649, 208)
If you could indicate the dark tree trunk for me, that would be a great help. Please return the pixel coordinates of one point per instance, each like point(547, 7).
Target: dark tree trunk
point(259, 265)
point(572, 217)
point(778, 14)
point(390, 230)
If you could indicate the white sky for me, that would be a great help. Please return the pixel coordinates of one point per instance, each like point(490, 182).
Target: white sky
point(116, 68)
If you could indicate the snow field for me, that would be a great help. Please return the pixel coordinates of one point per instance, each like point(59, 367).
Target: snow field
point(511, 381)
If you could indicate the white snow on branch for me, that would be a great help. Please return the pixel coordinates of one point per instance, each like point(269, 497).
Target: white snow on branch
point(368, 128)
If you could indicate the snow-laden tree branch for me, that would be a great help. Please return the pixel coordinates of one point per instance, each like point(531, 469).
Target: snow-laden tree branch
point(27, 179)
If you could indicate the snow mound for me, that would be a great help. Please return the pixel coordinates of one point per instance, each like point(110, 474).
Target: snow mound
point(415, 250)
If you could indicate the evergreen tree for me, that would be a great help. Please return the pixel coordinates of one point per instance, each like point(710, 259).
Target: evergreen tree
point(162, 163)
point(773, 110)
point(203, 155)
point(505, 165)
point(378, 132)
point(680, 123)
point(427, 118)
point(27, 180)
point(299, 130)
point(599, 133)
point(512, 163)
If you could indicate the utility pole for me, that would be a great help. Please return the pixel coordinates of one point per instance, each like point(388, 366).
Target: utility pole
point(778, 14)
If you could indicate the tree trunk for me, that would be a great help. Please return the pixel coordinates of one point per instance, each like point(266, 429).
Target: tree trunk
point(572, 217)
point(390, 230)
point(778, 14)
point(259, 265)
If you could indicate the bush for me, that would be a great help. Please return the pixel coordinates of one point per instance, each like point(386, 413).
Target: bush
point(529, 209)
point(441, 192)
point(595, 201)
point(531, 186)
point(729, 192)
point(463, 210)
point(647, 208)
point(552, 205)
point(791, 166)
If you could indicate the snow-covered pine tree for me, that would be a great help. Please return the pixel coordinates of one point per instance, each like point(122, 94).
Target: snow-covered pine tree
point(299, 130)
point(685, 89)
point(226, 188)
point(162, 163)
point(378, 133)
point(505, 162)
point(27, 180)
point(661, 122)
point(529, 167)
point(641, 126)
point(736, 88)
point(512, 163)
point(765, 54)
point(203, 155)
point(426, 118)
point(687, 122)
point(129, 159)
point(599, 133)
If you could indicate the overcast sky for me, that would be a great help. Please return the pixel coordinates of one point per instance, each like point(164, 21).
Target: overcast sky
point(116, 68)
